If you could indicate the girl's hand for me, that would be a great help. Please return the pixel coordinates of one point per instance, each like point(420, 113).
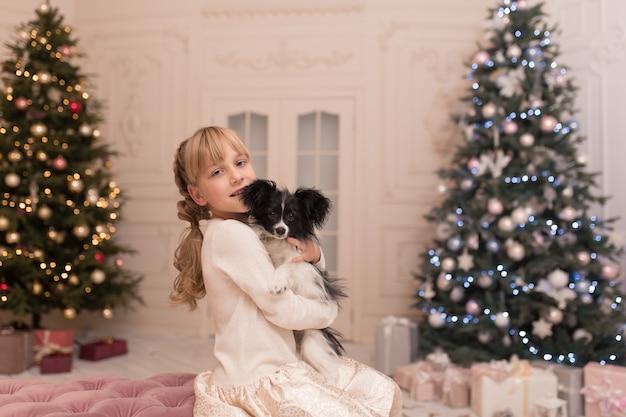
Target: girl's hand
point(310, 251)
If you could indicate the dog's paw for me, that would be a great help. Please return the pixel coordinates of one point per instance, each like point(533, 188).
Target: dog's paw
point(277, 288)
point(280, 282)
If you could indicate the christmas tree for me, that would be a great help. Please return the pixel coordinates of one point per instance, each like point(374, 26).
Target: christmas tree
point(59, 204)
point(519, 264)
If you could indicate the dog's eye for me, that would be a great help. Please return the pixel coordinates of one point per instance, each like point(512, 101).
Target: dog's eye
point(272, 215)
point(290, 217)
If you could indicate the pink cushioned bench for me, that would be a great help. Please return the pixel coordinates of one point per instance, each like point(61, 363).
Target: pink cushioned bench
point(165, 395)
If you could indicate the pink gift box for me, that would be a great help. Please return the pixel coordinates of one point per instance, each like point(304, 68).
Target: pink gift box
point(16, 347)
point(604, 390)
point(51, 342)
point(455, 389)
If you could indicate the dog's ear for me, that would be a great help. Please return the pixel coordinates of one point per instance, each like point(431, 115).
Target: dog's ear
point(257, 193)
point(314, 205)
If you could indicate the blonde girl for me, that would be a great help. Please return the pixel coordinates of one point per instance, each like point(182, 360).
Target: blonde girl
point(258, 371)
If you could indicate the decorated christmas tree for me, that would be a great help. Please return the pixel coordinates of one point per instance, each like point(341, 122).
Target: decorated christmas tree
point(59, 204)
point(520, 265)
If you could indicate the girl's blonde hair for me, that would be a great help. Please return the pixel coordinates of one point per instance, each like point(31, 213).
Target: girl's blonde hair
point(206, 145)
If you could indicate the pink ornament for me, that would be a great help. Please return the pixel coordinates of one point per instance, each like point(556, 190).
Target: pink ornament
point(65, 50)
point(473, 163)
point(59, 163)
point(548, 123)
point(494, 206)
point(514, 51)
point(509, 127)
point(489, 110)
point(583, 257)
point(526, 140)
point(560, 80)
point(99, 256)
point(472, 307)
point(76, 107)
point(609, 271)
point(21, 103)
point(481, 58)
point(522, 4)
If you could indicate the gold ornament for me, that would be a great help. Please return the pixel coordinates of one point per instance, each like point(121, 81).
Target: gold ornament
point(73, 279)
point(37, 288)
point(12, 237)
point(69, 313)
point(98, 276)
point(12, 180)
point(44, 212)
point(4, 223)
point(38, 129)
point(75, 185)
point(107, 313)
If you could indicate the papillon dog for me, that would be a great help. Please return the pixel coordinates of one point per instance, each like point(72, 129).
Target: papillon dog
point(276, 214)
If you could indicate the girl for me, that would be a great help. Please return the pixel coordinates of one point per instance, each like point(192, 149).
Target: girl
point(258, 371)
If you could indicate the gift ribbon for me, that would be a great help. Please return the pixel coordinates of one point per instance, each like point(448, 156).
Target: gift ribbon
point(438, 359)
point(388, 324)
point(604, 395)
point(452, 377)
point(49, 348)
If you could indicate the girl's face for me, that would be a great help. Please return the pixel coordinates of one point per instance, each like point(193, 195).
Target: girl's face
point(220, 184)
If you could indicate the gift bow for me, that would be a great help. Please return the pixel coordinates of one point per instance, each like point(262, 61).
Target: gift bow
point(453, 376)
point(47, 347)
point(438, 359)
point(604, 394)
point(498, 370)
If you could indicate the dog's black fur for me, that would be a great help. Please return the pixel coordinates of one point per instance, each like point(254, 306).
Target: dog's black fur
point(277, 214)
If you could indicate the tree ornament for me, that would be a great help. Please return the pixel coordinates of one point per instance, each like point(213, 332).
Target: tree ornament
point(5, 223)
point(583, 286)
point(481, 58)
point(548, 123)
point(44, 77)
point(493, 245)
point(609, 271)
point(75, 185)
point(436, 320)
point(85, 130)
point(506, 224)
point(583, 258)
point(542, 328)
point(119, 263)
point(448, 264)
point(73, 279)
point(568, 214)
point(92, 196)
point(38, 129)
point(484, 337)
point(69, 313)
point(43, 7)
point(107, 313)
point(454, 243)
point(97, 276)
point(568, 192)
point(554, 316)
point(519, 215)
point(12, 237)
point(582, 334)
point(494, 206)
point(99, 257)
point(75, 106)
point(467, 184)
point(12, 180)
point(514, 51)
point(473, 163)
point(457, 293)
point(522, 5)
point(81, 231)
point(509, 127)
point(526, 140)
point(14, 156)
point(444, 282)
point(44, 212)
point(502, 320)
point(465, 260)
point(489, 110)
point(472, 307)
point(558, 278)
point(42, 156)
point(21, 103)
point(485, 281)
point(37, 288)
point(59, 163)
point(66, 50)
point(516, 251)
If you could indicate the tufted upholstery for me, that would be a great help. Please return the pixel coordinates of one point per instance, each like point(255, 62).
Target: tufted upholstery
point(165, 395)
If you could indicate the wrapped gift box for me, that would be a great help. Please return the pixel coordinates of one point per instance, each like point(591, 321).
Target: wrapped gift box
point(570, 383)
point(513, 385)
point(604, 390)
point(418, 379)
point(57, 363)
point(16, 347)
point(455, 389)
point(396, 343)
point(102, 349)
point(51, 342)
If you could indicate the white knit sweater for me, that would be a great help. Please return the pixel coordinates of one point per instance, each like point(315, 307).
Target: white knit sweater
point(253, 328)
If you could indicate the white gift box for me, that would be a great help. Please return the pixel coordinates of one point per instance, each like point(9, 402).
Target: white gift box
point(569, 386)
point(396, 343)
point(502, 385)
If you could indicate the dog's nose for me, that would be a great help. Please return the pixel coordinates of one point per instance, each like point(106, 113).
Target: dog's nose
point(280, 231)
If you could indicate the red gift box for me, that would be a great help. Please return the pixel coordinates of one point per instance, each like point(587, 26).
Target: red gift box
point(51, 342)
point(102, 349)
point(57, 363)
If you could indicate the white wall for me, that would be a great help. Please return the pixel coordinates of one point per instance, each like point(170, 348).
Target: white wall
point(160, 66)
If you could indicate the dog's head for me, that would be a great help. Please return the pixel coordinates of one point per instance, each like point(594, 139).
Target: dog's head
point(284, 214)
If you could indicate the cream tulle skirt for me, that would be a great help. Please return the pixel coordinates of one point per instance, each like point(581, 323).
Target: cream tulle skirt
point(297, 390)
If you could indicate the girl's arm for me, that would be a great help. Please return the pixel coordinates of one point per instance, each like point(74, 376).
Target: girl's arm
point(240, 254)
